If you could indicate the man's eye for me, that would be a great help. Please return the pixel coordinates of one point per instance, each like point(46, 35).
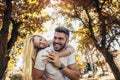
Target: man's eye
point(60, 38)
point(40, 39)
point(54, 37)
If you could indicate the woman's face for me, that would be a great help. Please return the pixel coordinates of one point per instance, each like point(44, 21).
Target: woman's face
point(40, 42)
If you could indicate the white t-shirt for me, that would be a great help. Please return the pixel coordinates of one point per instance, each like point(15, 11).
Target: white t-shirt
point(51, 71)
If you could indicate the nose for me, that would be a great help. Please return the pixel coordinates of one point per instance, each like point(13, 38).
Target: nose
point(56, 40)
point(43, 41)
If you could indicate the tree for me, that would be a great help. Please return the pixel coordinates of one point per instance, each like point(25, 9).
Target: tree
point(100, 25)
point(18, 19)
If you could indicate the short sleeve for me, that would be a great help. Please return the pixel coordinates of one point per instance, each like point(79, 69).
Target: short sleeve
point(70, 48)
point(39, 64)
point(71, 59)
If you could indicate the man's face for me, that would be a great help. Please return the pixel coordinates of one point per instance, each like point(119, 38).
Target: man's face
point(59, 41)
point(40, 42)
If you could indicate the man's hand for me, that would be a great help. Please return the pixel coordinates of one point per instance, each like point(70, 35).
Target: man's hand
point(55, 60)
point(71, 71)
point(52, 58)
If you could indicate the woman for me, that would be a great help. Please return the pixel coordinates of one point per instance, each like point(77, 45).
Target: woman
point(32, 45)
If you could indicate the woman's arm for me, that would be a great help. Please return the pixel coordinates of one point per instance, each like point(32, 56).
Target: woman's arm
point(69, 49)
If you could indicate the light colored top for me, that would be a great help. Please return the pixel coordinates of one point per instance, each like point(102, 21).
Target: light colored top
point(51, 71)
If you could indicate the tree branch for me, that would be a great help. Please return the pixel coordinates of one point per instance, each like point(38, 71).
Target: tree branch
point(14, 34)
point(111, 39)
point(91, 30)
point(102, 25)
point(97, 5)
point(102, 4)
point(76, 12)
point(116, 22)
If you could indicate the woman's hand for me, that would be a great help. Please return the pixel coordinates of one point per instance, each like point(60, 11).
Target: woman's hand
point(48, 79)
point(52, 58)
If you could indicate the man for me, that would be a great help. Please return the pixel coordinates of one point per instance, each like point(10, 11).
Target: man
point(56, 68)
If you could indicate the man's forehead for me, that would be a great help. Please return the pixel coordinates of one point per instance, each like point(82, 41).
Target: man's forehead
point(59, 34)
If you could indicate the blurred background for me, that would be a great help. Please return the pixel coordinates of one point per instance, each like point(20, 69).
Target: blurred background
point(94, 27)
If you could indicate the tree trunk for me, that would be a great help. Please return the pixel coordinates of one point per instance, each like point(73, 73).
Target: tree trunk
point(114, 68)
point(3, 65)
point(4, 58)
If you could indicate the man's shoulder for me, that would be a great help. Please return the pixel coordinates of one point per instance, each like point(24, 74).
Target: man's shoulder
point(71, 56)
point(43, 51)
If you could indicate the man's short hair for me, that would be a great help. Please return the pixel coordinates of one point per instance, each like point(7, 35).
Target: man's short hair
point(63, 30)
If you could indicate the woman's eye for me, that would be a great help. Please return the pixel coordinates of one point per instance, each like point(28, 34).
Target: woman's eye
point(39, 43)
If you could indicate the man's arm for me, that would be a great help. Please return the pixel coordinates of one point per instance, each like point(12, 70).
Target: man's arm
point(37, 74)
point(71, 71)
point(69, 50)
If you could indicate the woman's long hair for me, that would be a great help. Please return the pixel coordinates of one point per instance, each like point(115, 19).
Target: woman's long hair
point(29, 56)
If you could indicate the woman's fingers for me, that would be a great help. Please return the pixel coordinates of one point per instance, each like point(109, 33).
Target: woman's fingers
point(50, 51)
point(48, 58)
point(51, 54)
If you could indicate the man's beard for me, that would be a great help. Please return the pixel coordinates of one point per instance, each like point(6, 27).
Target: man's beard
point(61, 48)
